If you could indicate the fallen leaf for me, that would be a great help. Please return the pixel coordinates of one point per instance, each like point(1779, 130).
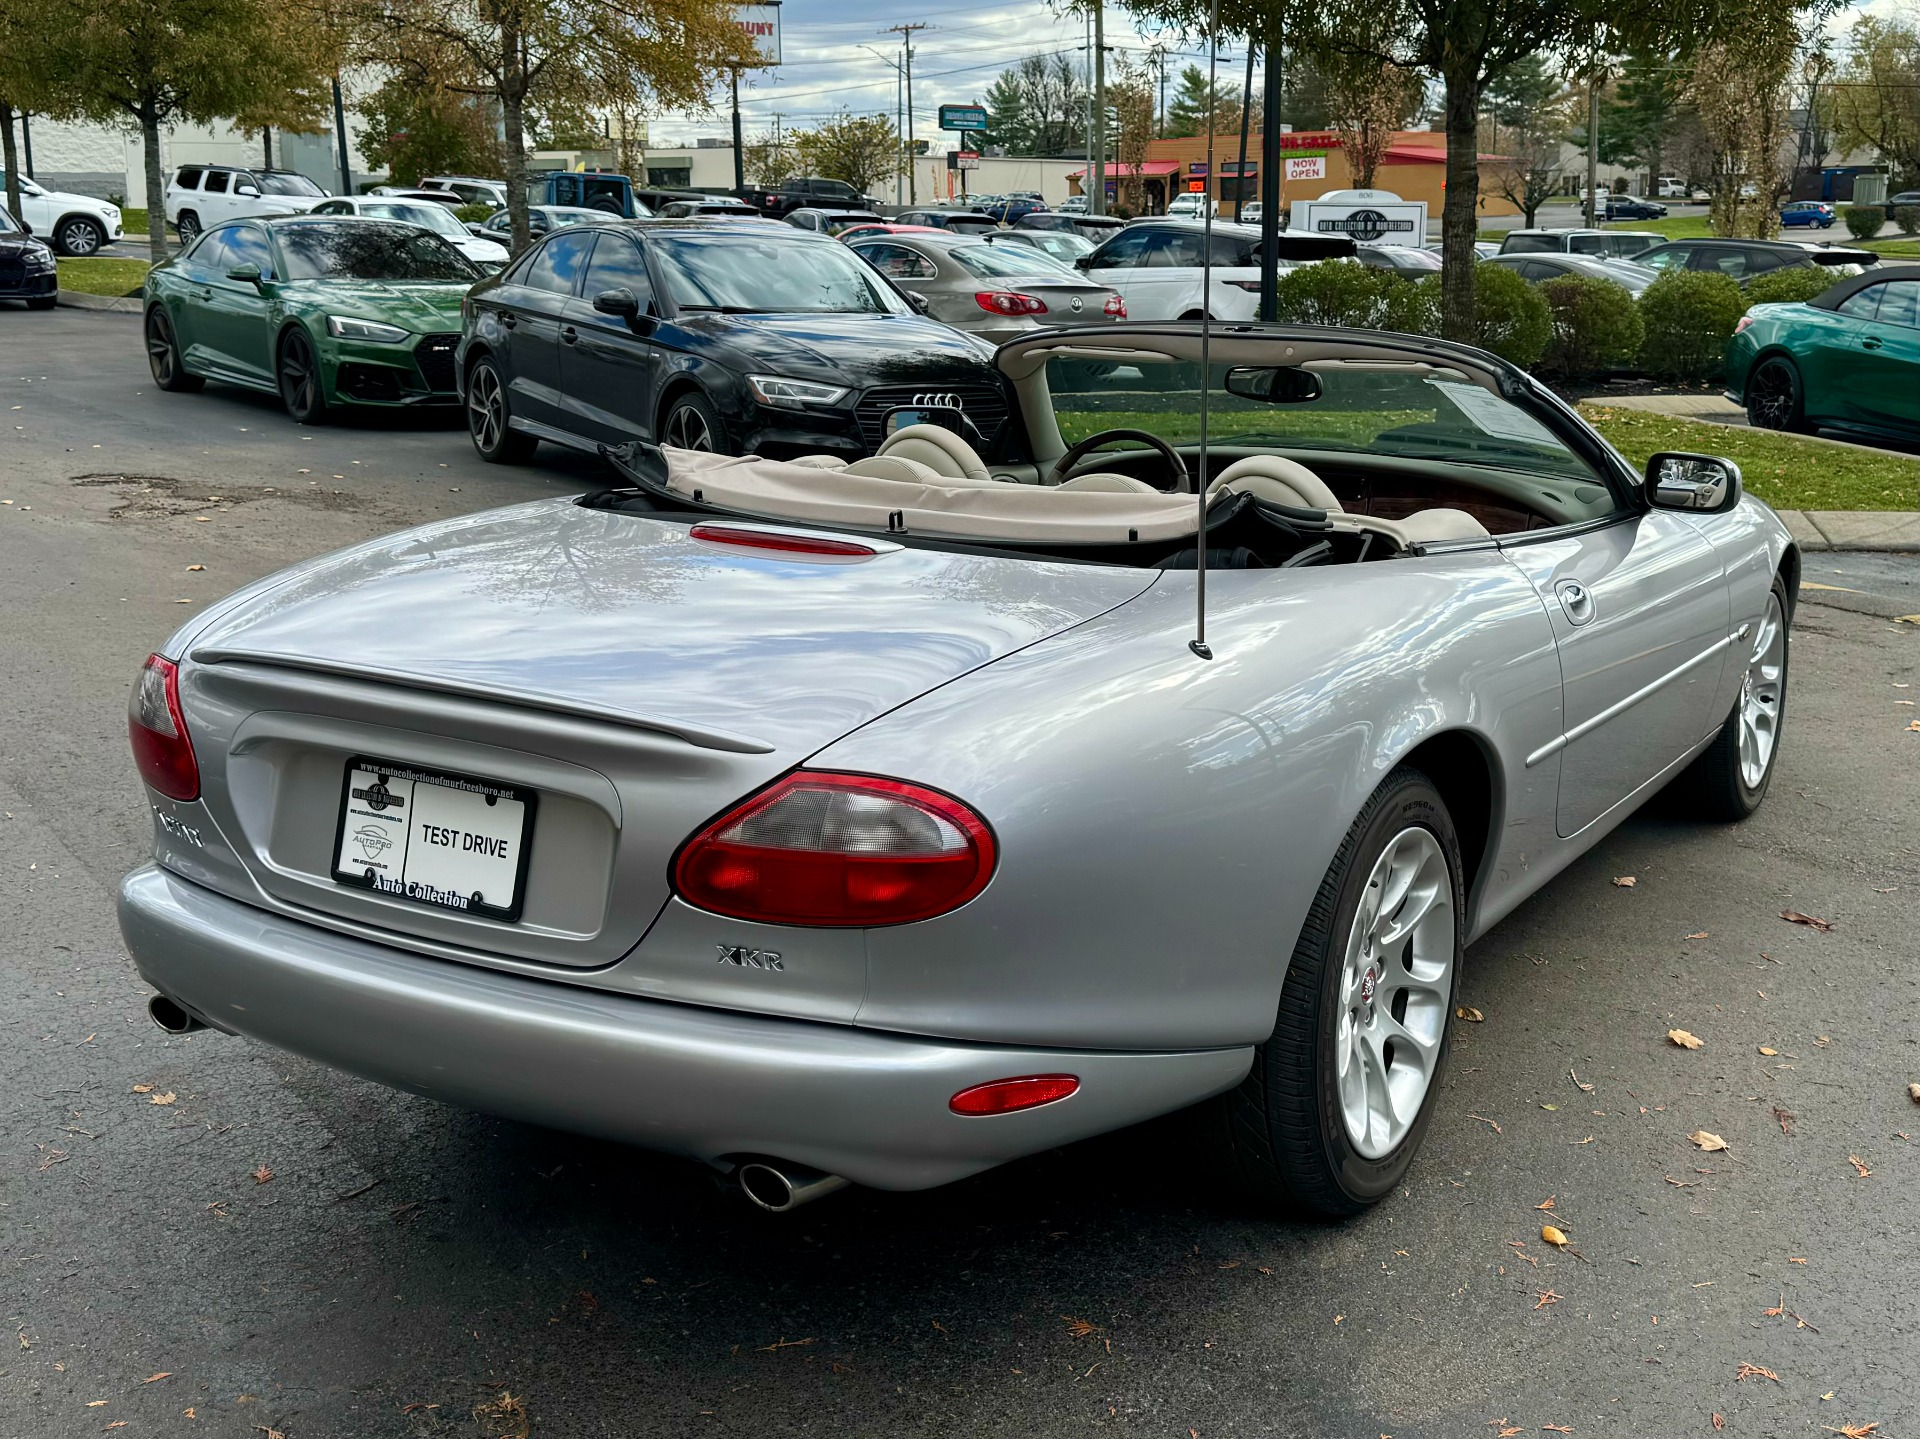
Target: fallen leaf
point(1784, 1118)
point(1553, 1236)
point(156, 1378)
point(1685, 1039)
point(1823, 1041)
point(1719, 1421)
point(1625, 881)
point(1768, 1052)
point(143, 1089)
point(1793, 916)
point(1579, 1083)
point(191, 569)
point(1707, 1140)
point(1702, 934)
point(1546, 1297)
point(1556, 1428)
point(787, 1344)
point(262, 1175)
point(1852, 1431)
point(1080, 1328)
point(1546, 1203)
point(166, 1098)
point(1755, 1371)
point(1468, 1013)
point(95, 1403)
point(1913, 1093)
point(1859, 1165)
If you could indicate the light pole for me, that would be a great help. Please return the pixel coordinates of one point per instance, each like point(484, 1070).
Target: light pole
point(899, 138)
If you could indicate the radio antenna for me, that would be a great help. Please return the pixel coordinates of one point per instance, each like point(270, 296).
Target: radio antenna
point(1198, 644)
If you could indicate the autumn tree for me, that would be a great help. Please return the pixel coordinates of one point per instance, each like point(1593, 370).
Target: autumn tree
point(418, 123)
point(25, 71)
point(863, 150)
point(1367, 100)
point(1873, 103)
point(1037, 107)
point(1527, 171)
point(1131, 99)
point(1740, 85)
point(560, 58)
point(771, 160)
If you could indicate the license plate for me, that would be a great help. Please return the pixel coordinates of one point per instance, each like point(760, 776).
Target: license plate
point(445, 840)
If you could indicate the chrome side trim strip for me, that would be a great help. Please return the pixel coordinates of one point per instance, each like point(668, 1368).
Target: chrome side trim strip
point(1587, 726)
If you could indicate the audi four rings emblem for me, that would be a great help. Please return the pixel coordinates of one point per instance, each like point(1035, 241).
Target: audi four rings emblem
point(936, 402)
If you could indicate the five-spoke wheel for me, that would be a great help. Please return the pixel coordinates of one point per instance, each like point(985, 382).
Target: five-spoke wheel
point(302, 388)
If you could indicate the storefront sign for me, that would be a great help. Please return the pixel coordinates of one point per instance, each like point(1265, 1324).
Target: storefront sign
point(1306, 167)
point(761, 24)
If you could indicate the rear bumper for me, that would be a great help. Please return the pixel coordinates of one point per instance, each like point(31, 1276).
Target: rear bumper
point(705, 1083)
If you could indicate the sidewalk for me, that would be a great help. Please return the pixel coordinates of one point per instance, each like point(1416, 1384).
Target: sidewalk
point(1887, 531)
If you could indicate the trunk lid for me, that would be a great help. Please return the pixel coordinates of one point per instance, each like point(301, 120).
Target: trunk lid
point(635, 681)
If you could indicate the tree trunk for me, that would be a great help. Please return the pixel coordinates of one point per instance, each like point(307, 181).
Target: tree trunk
point(156, 180)
point(11, 159)
point(1460, 219)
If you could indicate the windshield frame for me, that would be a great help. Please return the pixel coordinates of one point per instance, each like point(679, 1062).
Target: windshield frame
point(282, 183)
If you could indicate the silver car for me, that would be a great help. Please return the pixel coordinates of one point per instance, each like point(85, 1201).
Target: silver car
point(1060, 245)
point(996, 292)
point(1547, 266)
point(887, 821)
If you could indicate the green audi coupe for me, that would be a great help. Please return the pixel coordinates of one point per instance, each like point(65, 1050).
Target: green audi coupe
point(327, 312)
point(1848, 359)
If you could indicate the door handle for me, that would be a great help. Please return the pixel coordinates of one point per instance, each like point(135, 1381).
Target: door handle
point(1871, 342)
point(569, 334)
point(1576, 599)
point(509, 320)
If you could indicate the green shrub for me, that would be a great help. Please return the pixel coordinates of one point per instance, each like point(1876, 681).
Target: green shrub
point(1689, 316)
point(1864, 221)
point(1341, 292)
point(1792, 284)
point(1510, 318)
point(1907, 218)
point(1596, 327)
point(472, 214)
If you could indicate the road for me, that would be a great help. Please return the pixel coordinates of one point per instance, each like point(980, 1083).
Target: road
point(204, 1237)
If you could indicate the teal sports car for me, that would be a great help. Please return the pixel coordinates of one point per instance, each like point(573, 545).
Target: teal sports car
point(327, 312)
point(1848, 359)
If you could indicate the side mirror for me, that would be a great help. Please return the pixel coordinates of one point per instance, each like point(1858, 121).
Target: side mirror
point(617, 302)
point(921, 304)
point(246, 274)
point(1083, 262)
point(1703, 484)
point(479, 232)
point(253, 190)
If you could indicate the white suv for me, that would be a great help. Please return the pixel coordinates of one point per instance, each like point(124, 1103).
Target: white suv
point(202, 196)
point(72, 224)
point(472, 189)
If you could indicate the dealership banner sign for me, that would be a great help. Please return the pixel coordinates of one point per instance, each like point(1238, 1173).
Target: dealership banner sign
point(761, 24)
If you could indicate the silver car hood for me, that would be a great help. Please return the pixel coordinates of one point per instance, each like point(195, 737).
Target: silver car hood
point(623, 617)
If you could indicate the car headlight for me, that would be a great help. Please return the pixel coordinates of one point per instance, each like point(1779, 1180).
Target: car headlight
point(344, 327)
point(39, 257)
point(793, 394)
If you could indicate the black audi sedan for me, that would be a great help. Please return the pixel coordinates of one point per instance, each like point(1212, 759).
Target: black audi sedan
point(27, 268)
point(706, 335)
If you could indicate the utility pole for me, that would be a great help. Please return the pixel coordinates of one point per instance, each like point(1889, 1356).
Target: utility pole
point(1593, 144)
point(1097, 166)
point(1246, 119)
point(1273, 44)
point(899, 139)
point(739, 149)
point(906, 34)
point(1086, 173)
point(26, 139)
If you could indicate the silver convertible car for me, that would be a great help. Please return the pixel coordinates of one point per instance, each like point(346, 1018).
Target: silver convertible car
point(883, 822)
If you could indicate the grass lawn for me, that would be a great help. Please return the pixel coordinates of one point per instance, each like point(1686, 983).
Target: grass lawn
point(1896, 247)
point(1787, 471)
point(103, 276)
point(133, 222)
point(1677, 227)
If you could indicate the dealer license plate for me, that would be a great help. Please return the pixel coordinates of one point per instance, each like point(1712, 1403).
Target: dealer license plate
point(445, 840)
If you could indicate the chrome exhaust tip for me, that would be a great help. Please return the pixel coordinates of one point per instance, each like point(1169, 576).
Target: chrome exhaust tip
point(776, 1186)
point(174, 1018)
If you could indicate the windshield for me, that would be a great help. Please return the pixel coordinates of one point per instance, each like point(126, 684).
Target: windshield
point(7, 225)
point(743, 273)
point(995, 262)
point(431, 216)
point(285, 182)
point(1390, 410)
point(1063, 247)
point(369, 250)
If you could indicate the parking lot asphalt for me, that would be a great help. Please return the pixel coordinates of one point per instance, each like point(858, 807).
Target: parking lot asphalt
point(204, 1237)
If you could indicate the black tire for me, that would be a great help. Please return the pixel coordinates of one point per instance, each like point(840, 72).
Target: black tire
point(163, 355)
point(302, 390)
point(43, 302)
point(187, 227)
point(1720, 785)
point(604, 204)
point(489, 418)
point(1775, 399)
point(79, 237)
point(691, 423)
point(1280, 1138)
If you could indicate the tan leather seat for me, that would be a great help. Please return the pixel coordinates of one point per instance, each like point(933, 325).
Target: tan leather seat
point(941, 450)
point(896, 467)
point(1277, 480)
point(1441, 523)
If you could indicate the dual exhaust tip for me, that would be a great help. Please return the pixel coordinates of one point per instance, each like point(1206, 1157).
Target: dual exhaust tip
point(770, 1184)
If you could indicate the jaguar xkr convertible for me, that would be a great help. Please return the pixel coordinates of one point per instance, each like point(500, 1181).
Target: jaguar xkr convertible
point(885, 820)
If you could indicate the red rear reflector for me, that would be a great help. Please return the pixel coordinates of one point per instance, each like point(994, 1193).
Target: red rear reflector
point(1116, 307)
point(776, 540)
point(1005, 1096)
point(158, 732)
point(838, 850)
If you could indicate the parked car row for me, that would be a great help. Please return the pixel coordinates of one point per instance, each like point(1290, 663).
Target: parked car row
point(28, 270)
point(76, 225)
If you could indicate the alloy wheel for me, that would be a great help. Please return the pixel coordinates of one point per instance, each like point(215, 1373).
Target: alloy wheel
point(1395, 985)
point(485, 417)
point(1770, 396)
point(160, 358)
point(299, 377)
point(1760, 692)
point(687, 429)
point(80, 237)
point(187, 227)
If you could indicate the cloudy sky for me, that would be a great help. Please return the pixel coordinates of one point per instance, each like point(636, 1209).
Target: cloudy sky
point(828, 67)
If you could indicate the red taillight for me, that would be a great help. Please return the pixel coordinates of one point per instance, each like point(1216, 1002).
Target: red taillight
point(1005, 1096)
point(1116, 307)
point(1009, 302)
point(158, 732)
point(1742, 323)
point(796, 544)
point(838, 850)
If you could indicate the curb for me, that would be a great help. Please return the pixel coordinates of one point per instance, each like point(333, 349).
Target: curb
point(1870, 531)
point(117, 304)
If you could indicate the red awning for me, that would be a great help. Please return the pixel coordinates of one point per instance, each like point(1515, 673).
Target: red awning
point(1153, 169)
